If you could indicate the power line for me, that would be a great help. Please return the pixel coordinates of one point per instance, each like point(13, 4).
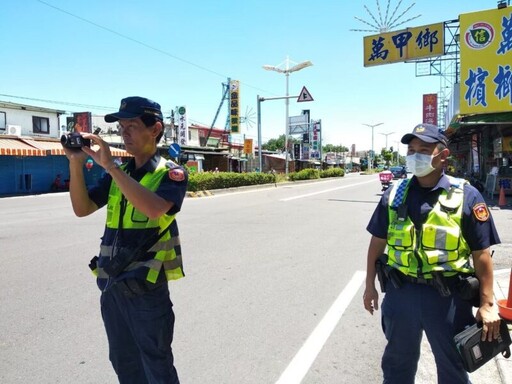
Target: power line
point(59, 102)
point(143, 44)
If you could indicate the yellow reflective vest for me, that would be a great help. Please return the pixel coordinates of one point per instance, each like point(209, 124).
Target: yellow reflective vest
point(438, 246)
point(167, 250)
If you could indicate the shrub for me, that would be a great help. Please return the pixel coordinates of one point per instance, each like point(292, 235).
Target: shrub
point(305, 174)
point(332, 172)
point(221, 180)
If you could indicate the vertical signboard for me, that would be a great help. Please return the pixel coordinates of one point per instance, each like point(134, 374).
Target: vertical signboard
point(82, 122)
point(248, 146)
point(430, 108)
point(486, 61)
point(234, 106)
point(181, 119)
point(315, 145)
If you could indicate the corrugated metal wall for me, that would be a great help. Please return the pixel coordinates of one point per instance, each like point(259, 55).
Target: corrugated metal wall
point(26, 175)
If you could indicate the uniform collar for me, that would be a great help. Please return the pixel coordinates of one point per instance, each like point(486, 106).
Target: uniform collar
point(443, 182)
point(149, 166)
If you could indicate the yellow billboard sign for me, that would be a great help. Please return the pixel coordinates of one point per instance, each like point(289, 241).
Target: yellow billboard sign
point(406, 44)
point(485, 60)
point(248, 146)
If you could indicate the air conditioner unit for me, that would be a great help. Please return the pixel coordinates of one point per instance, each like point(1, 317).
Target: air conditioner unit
point(14, 130)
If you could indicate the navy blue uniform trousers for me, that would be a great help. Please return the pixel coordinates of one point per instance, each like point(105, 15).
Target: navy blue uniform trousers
point(406, 313)
point(140, 331)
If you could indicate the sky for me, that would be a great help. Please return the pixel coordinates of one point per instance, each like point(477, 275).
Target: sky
point(86, 55)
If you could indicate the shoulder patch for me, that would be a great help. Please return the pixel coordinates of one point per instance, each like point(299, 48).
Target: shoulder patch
point(481, 212)
point(176, 174)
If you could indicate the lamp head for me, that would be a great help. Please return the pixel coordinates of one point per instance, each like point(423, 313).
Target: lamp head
point(300, 66)
point(273, 68)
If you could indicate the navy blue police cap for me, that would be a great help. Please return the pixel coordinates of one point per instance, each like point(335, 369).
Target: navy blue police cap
point(428, 133)
point(135, 106)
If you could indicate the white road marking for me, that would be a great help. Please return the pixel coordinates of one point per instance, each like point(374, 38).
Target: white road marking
point(299, 366)
point(325, 190)
point(266, 187)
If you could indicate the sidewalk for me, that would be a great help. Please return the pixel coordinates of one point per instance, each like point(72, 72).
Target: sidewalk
point(499, 370)
point(501, 284)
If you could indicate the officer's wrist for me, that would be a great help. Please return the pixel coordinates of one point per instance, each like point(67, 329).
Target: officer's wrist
point(111, 167)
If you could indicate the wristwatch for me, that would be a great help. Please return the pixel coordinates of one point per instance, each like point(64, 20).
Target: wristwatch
point(111, 167)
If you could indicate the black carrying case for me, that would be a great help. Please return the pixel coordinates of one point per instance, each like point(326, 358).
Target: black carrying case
point(475, 352)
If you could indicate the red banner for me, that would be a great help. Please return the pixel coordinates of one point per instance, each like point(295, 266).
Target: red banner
point(430, 108)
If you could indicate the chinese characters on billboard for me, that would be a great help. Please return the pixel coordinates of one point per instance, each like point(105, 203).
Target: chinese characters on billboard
point(486, 61)
point(430, 108)
point(181, 118)
point(234, 106)
point(82, 122)
point(405, 44)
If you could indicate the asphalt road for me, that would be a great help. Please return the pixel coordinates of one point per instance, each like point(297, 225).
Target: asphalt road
point(272, 293)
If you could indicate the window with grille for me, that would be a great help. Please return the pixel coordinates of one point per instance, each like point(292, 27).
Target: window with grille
point(40, 124)
point(2, 121)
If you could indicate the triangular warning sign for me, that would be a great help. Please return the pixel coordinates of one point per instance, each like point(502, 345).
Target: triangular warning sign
point(304, 95)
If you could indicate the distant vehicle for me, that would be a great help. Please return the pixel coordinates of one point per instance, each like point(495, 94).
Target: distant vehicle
point(398, 172)
point(385, 178)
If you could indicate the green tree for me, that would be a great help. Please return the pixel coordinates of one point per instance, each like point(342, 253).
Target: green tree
point(274, 144)
point(334, 148)
point(278, 144)
point(387, 156)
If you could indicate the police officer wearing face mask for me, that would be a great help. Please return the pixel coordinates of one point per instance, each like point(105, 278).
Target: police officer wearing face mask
point(437, 231)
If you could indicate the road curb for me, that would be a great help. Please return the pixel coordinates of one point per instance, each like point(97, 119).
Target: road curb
point(199, 194)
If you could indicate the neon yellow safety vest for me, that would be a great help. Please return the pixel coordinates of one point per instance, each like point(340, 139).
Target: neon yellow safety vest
point(167, 249)
point(439, 245)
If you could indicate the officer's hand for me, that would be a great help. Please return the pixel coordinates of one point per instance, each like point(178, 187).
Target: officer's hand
point(490, 318)
point(75, 155)
point(102, 155)
point(371, 300)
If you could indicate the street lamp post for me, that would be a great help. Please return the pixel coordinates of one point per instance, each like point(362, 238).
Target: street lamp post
point(372, 126)
point(287, 70)
point(387, 134)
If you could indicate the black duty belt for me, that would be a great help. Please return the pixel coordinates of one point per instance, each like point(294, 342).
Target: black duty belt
point(431, 281)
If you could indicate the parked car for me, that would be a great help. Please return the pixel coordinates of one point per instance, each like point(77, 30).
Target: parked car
point(398, 172)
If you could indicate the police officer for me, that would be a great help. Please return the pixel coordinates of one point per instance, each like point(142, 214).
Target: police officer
point(437, 230)
point(140, 248)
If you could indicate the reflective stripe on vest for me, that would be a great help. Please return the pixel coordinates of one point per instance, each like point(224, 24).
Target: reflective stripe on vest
point(167, 249)
point(439, 246)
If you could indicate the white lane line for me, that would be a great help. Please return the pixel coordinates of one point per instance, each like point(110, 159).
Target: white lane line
point(299, 366)
point(325, 190)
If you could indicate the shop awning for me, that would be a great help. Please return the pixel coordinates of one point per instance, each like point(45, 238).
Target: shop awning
point(17, 147)
point(192, 151)
point(466, 122)
point(31, 147)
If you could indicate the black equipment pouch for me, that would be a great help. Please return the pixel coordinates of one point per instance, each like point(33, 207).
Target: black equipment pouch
point(120, 261)
point(387, 273)
point(93, 264)
point(474, 352)
point(439, 282)
point(380, 265)
point(468, 288)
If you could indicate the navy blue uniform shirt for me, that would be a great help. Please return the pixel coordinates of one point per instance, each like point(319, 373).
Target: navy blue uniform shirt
point(420, 201)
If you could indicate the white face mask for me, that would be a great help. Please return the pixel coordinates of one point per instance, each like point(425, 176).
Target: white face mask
point(419, 164)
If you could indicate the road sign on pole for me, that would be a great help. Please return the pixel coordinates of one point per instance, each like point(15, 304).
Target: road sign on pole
point(304, 95)
point(174, 150)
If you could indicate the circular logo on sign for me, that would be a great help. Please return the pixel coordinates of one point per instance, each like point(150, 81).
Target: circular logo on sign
point(479, 35)
point(181, 110)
